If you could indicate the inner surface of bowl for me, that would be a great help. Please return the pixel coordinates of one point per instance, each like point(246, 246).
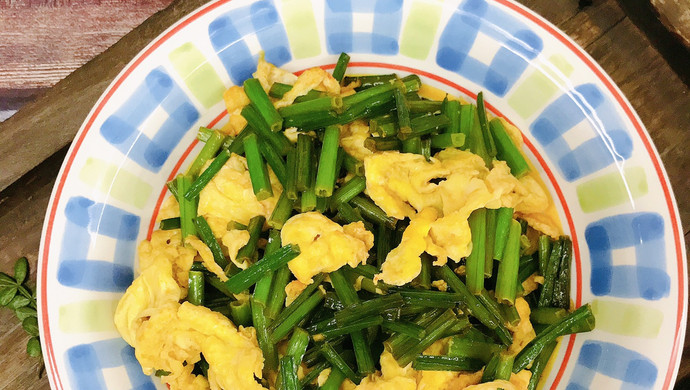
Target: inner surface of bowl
point(580, 133)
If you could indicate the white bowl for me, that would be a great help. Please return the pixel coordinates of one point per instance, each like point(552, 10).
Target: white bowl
point(611, 189)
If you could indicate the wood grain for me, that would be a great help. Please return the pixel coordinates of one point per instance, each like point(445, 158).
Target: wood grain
point(22, 208)
point(669, 46)
point(42, 42)
point(675, 15)
point(47, 125)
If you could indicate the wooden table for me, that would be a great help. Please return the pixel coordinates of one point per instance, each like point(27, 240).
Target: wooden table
point(651, 68)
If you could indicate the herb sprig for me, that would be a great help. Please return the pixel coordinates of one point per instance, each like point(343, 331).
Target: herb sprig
point(17, 296)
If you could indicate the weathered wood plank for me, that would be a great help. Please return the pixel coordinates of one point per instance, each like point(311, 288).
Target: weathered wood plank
point(669, 46)
point(556, 12)
point(42, 42)
point(593, 22)
point(50, 123)
point(22, 208)
point(675, 15)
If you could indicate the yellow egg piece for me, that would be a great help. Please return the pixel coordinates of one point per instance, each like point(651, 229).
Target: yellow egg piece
point(314, 78)
point(391, 377)
point(324, 245)
point(523, 332)
point(455, 183)
point(174, 338)
point(267, 74)
point(403, 263)
point(234, 240)
point(206, 257)
point(293, 290)
point(156, 286)
point(352, 136)
point(229, 195)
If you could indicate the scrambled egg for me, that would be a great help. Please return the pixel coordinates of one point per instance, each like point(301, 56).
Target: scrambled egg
point(517, 381)
point(532, 283)
point(523, 332)
point(169, 209)
point(447, 380)
point(206, 257)
point(169, 336)
point(174, 338)
point(234, 240)
point(325, 246)
point(267, 74)
point(440, 285)
point(293, 290)
point(405, 184)
point(229, 195)
point(235, 98)
point(394, 377)
point(404, 263)
point(154, 288)
point(352, 137)
point(314, 78)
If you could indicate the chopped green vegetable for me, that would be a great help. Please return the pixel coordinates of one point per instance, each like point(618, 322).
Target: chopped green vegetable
point(475, 261)
point(581, 320)
point(206, 235)
point(305, 154)
point(507, 281)
point(187, 207)
point(247, 277)
point(169, 223)
point(195, 293)
point(446, 363)
point(326, 174)
point(241, 313)
point(507, 151)
point(210, 149)
point(259, 99)
point(258, 172)
point(192, 191)
point(341, 66)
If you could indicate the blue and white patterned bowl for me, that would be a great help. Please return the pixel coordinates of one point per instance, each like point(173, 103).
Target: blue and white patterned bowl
point(607, 179)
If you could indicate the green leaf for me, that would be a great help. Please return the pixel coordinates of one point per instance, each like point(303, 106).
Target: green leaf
point(18, 301)
point(33, 347)
point(25, 312)
point(7, 294)
point(30, 325)
point(21, 269)
point(25, 292)
point(6, 280)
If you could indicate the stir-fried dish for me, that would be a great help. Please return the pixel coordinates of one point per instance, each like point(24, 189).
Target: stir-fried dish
point(353, 232)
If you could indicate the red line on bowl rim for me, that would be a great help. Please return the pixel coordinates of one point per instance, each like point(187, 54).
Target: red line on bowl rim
point(173, 173)
point(653, 155)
